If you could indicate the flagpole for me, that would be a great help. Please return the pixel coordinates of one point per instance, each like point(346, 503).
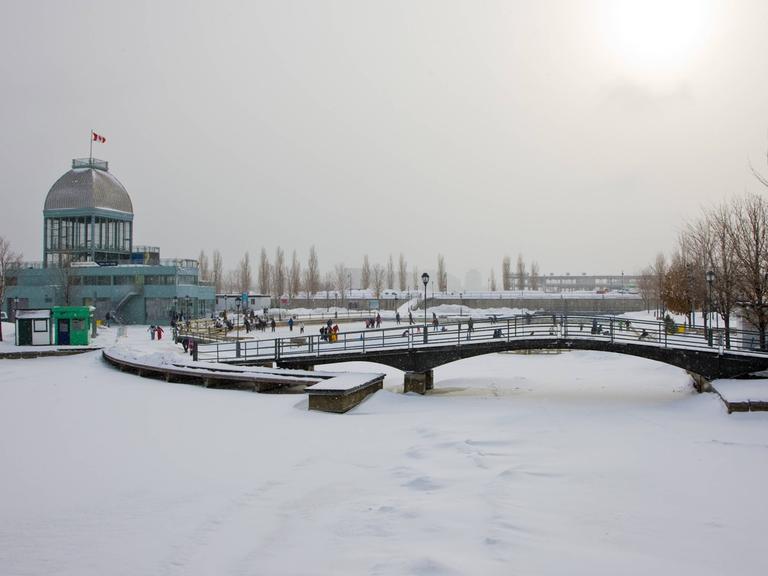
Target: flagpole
point(90, 157)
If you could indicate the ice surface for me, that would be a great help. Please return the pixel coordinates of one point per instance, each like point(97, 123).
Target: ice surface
point(572, 463)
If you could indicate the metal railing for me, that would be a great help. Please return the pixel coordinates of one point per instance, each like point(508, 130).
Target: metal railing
point(457, 333)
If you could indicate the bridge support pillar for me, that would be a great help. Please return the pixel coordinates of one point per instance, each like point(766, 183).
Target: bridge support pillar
point(700, 383)
point(419, 382)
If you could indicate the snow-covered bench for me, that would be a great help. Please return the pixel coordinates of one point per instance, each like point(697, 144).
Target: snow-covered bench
point(343, 392)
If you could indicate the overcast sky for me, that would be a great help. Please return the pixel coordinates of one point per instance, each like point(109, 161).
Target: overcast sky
point(580, 134)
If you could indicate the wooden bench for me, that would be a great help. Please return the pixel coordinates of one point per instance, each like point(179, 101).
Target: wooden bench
point(343, 392)
point(299, 341)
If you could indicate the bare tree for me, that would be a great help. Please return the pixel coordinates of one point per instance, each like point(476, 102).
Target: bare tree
point(312, 274)
point(659, 274)
point(294, 276)
point(326, 286)
point(492, 281)
point(377, 279)
point(442, 275)
point(340, 279)
point(245, 274)
point(520, 272)
point(9, 261)
point(750, 239)
point(265, 273)
point(218, 271)
point(760, 178)
point(231, 282)
point(390, 273)
point(722, 261)
point(278, 273)
point(506, 273)
point(534, 277)
point(646, 286)
point(415, 278)
point(678, 286)
point(365, 278)
point(402, 273)
point(205, 269)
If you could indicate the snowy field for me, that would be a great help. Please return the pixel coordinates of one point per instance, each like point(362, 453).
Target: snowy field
point(572, 463)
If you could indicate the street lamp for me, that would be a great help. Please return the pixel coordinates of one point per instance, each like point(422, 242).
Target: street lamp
point(710, 280)
point(238, 303)
point(425, 280)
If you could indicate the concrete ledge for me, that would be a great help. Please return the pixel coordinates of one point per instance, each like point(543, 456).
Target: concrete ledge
point(213, 376)
point(344, 392)
point(758, 406)
point(737, 406)
point(25, 354)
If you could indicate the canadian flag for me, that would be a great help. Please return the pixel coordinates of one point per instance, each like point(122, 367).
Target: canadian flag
point(98, 137)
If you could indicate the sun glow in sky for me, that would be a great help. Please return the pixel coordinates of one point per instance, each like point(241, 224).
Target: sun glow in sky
point(656, 40)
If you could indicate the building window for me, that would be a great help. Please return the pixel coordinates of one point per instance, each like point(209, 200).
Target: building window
point(158, 279)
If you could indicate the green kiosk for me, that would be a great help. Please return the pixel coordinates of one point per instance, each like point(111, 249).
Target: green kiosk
point(72, 325)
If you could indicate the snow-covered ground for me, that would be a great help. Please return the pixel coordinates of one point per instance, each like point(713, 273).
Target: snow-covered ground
point(572, 463)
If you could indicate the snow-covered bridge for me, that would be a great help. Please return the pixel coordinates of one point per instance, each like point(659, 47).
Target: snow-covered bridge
point(419, 348)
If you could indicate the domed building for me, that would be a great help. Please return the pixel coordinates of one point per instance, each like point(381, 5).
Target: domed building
point(88, 217)
point(90, 259)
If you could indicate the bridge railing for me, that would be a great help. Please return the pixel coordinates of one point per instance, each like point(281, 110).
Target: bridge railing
point(457, 332)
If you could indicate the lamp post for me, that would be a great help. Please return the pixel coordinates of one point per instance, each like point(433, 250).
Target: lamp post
point(425, 281)
point(237, 336)
point(710, 280)
point(15, 307)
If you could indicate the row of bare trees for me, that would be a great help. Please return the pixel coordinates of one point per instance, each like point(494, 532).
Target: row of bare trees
point(727, 244)
point(278, 277)
point(517, 280)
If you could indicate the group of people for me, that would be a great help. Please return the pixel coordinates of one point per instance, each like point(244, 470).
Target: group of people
point(329, 332)
point(375, 322)
point(155, 331)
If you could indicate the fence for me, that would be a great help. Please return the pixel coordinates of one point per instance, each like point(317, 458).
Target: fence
point(457, 332)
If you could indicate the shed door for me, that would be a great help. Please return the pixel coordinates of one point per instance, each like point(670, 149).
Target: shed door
point(25, 332)
point(63, 330)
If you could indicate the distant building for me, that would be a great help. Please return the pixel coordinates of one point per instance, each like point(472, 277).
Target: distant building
point(228, 301)
point(578, 283)
point(89, 258)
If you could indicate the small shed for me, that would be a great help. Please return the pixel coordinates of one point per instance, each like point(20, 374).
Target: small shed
point(72, 325)
point(33, 328)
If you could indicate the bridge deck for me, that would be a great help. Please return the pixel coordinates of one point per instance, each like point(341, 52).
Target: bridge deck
point(414, 348)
